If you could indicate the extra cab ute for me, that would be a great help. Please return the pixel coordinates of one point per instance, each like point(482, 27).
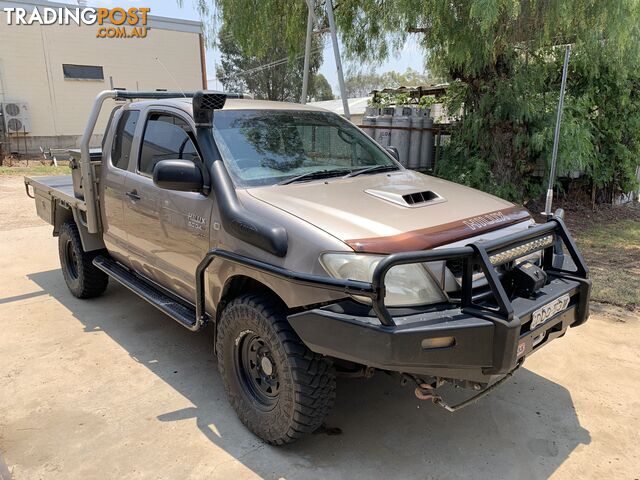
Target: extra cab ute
point(309, 250)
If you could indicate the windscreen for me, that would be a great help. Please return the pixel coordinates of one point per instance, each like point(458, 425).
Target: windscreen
point(265, 147)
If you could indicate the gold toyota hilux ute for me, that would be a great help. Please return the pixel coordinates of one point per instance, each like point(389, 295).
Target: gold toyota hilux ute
point(310, 250)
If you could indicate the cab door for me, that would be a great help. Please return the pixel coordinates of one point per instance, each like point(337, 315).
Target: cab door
point(112, 182)
point(168, 230)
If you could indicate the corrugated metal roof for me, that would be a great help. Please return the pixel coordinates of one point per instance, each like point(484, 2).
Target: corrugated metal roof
point(356, 105)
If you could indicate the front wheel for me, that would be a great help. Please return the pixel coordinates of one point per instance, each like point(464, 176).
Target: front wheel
point(279, 388)
point(82, 277)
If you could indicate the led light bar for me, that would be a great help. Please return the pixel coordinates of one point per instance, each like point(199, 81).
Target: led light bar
point(521, 250)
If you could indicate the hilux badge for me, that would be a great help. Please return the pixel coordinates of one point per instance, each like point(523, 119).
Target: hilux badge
point(195, 221)
point(486, 220)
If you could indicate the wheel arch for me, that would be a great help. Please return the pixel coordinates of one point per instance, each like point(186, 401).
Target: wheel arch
point(63, 214)
point(239, 284)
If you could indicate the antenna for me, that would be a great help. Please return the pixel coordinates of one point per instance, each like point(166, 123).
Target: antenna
point(172, 77)
point(556, 136)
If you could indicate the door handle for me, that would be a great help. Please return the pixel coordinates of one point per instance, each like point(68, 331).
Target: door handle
point(133, 195)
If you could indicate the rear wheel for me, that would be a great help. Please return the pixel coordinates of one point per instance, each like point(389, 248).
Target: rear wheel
point(279, 388)
point(82, 277)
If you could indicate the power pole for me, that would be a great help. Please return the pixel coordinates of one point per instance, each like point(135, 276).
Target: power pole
point(336, 54)
point(307, 54)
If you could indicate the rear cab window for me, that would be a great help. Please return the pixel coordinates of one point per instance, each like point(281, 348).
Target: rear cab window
point(123, 139)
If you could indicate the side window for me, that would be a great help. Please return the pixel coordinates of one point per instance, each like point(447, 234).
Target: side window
point(166, 137)
point(121, 148)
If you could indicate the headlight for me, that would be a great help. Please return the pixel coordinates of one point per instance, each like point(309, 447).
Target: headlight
point(406, 285)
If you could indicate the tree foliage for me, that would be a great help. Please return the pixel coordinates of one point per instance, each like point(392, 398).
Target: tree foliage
point(270, 75)
point(320, 89)
point(361, 84)
point(256, 24)
point(504, 58)
point(504, 61)
point(251, 35)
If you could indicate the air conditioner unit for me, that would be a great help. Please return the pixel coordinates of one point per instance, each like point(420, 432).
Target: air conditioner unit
point(16, 117)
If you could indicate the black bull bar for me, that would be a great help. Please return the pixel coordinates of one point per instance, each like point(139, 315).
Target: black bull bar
point(500, 312)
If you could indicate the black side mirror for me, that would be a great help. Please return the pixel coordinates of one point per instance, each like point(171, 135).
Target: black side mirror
point(393, 151)
point(181, 175)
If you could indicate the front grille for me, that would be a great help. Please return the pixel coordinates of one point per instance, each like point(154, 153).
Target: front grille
point(456, 268)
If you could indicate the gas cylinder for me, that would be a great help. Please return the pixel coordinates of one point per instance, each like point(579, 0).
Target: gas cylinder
point(383, 135)
point(415, 138)
point(369, 118)
point(426, 147)
point(400, 137)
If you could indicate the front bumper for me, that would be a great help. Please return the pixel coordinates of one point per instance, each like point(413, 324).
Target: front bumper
point(492, 335)
point(490, 328)
point(361, 339)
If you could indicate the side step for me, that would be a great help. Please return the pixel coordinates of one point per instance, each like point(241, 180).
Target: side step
point(181, 313)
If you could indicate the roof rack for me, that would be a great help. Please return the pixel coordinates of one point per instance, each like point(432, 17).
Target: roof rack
point(153, 95)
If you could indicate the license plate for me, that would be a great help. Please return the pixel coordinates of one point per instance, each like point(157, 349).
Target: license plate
point(551, 309)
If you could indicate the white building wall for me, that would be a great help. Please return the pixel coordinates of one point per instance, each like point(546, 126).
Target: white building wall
point(31, 58)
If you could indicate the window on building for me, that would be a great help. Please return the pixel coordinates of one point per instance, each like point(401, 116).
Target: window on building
point(166, 137)
point(82, 72)
point(121, 148)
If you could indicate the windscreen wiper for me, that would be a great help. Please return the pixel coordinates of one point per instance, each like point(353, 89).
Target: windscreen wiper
point(335, 172)
point(372, 169)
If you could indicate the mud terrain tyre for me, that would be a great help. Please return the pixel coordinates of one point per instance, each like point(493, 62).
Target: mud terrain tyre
point(82, 277)
point(279, 388)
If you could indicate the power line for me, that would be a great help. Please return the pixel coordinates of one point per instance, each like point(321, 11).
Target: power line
point(269, 65)
point(265, 66)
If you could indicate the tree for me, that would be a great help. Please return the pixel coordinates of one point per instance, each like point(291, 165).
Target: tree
point(269, 75)
point(256, 25)
point(503, 59)
point(262, 48)
point(362, 84)
point(320, 89)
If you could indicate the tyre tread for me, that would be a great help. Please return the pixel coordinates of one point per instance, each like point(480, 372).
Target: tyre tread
point(312, 374)
point(92, 282)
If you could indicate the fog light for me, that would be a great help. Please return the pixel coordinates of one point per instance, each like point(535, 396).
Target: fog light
point(438, 342)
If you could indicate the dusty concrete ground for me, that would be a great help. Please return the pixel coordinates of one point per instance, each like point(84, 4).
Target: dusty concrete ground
point(111, 388)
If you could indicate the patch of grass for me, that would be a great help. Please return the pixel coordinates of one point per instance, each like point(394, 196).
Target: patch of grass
point(612, 252)
point(35, 170)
